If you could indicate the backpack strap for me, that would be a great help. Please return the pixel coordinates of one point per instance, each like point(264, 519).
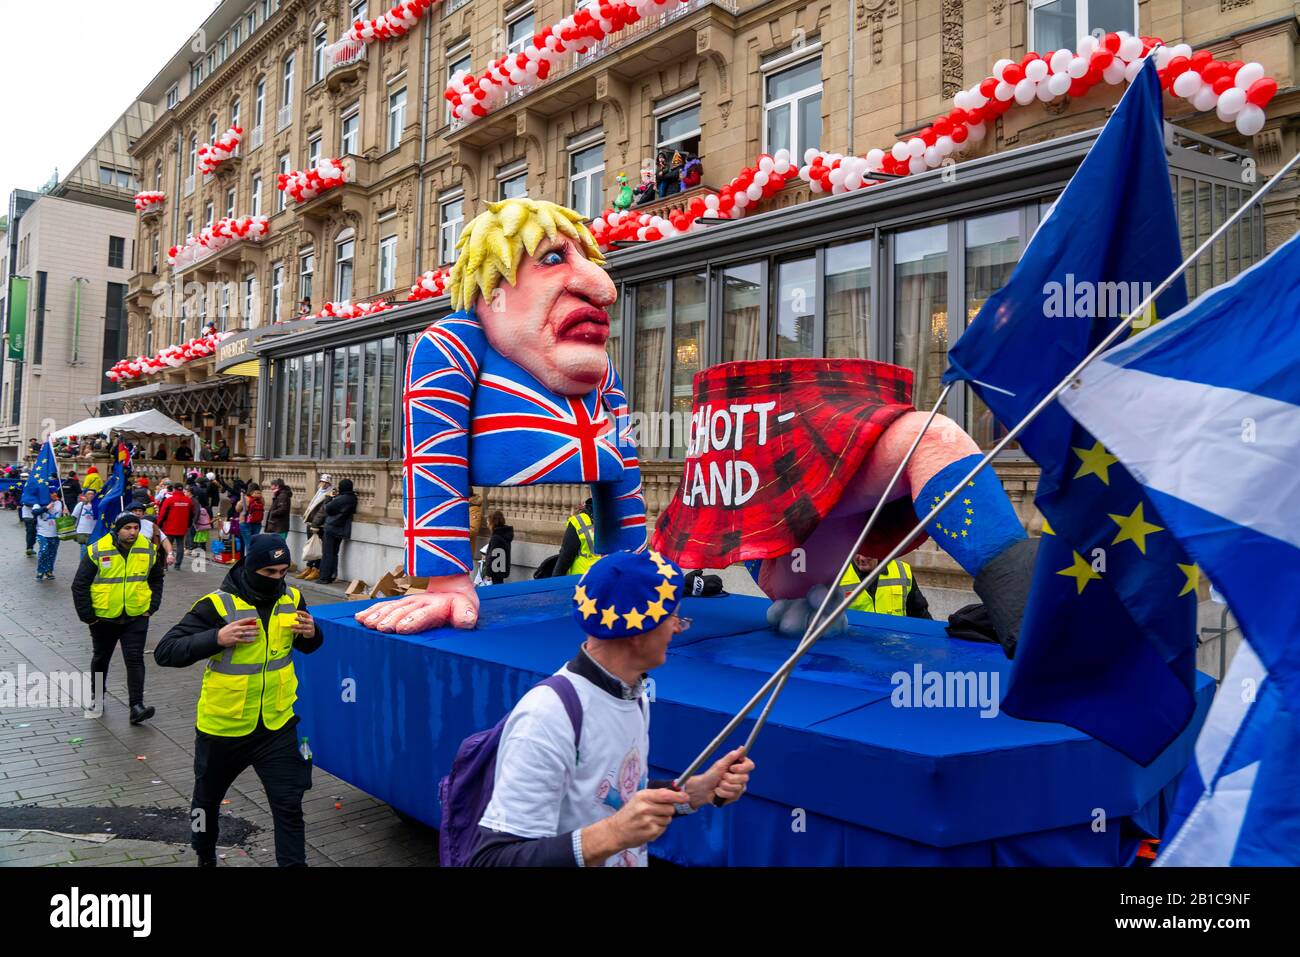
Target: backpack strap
point(563, 687)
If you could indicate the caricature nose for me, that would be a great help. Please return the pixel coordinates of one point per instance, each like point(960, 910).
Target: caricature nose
point(592, 283)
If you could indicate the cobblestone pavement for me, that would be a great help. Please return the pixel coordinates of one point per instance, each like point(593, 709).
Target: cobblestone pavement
point(60, 759)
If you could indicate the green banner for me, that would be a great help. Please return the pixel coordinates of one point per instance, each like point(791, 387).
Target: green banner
point(17, 317)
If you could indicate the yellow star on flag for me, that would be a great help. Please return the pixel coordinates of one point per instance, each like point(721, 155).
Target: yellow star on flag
point(1096, 461)
point(666, 591)
point(580, 593)
point(634, 619)
point(608, 617)
point(1193, 574)
point(656, 610)
point(1047, 529)
point(1081, 571)
point(667, 572)
point(588, 607)
point(1134, 528)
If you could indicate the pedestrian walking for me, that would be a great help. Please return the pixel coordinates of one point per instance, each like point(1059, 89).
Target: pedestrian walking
point(251, 509)
point(118, 586)
point(277, 513)
point(176, 518)
point(248, 632)
point(84, 513)
point(47, 536)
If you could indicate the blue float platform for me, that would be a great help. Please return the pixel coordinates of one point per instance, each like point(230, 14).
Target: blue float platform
point(843, 776)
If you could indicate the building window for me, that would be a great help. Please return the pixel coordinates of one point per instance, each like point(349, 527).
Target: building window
point(281, 194)
point(792, 108)
point(357, 11)
point(194, 154)
point(223, 309)
point(848, 300)
point(277, 289)
point(1058, 24)
point(230, 203)
point(921, 307)
point(116, 252)
point(587, 180)
point(992, 250)
point(234, 112)
point(396, 117)
point(259, 104)
point(256, 193)
point(157, 176)
point(236, 36)
point(153, 255)
point(458, 61)
point(268, 7)
point(351, 126)
point(212, 129)
point(306, 271)
point(207, 214)
point(196, 74)
point(362, 398)
point(387, 263)
point(344, 249)
point(250, 297)
point(677, 124)
point(743, 313)
point(512, 181)
point(313, 150)
point(38, 345)
point(318, 57)
point(173, 96)
point(451, 220)
point(286, 82)
point(250, 22)
point(189, 227)
point(115, 326)
point(520, 26)
point(794, 309)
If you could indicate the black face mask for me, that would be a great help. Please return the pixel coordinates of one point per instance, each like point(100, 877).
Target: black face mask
point(262, 588)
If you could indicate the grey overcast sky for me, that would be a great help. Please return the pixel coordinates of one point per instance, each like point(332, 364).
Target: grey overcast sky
point(72, 68)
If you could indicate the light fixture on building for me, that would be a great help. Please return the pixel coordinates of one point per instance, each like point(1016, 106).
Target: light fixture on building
point(688, 353)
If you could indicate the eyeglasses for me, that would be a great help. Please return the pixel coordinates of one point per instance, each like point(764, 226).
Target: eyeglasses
point(683, 622)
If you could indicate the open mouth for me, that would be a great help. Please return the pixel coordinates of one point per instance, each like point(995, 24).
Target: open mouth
point(587, 324)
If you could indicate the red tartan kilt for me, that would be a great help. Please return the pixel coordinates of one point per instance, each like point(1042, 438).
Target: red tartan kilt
point(763, 500)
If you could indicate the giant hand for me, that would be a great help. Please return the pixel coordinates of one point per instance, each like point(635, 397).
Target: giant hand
point(450, 600)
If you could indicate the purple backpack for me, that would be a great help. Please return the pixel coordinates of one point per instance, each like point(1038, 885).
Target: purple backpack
point(466, 791)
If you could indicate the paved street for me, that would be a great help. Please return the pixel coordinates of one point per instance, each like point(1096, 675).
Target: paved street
point(67, 782)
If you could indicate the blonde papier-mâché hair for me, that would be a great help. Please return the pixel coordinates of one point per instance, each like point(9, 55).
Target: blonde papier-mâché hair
point(493, 243)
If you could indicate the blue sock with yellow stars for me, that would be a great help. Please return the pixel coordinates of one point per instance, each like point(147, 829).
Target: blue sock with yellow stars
point(979, 524)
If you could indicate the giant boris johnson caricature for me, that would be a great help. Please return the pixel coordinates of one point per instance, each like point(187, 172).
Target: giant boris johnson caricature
point(785, 457)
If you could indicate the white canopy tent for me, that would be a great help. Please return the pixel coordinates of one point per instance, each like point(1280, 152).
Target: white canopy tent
point(148, 422)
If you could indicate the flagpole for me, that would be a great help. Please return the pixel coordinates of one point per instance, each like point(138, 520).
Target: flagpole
point(848, 560)
point(816, 633)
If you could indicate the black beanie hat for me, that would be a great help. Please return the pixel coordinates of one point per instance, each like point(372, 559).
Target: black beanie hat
point(125, 518)
point(264, 550)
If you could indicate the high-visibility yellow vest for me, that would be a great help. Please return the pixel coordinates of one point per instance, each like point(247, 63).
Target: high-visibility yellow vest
point(892, 588)
point(121, 584)
point(247, 680)
point(582, 524)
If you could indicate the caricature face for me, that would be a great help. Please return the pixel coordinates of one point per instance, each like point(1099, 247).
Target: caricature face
point(553, 322)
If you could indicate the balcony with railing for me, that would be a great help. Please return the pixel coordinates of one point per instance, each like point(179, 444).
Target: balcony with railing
point(454, 5)
point(571, 82)
point(255, 137)
point(284, 117)
point(189, 185)
point(344, 62)
point(357, 175)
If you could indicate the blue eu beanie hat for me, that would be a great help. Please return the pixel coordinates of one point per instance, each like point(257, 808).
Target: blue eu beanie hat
point(627, 593)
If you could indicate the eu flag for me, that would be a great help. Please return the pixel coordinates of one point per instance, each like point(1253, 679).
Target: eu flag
point(108, 504)
point(43, 480)
point(1108, 642)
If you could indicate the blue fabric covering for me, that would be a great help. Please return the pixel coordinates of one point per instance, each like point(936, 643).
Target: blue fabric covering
point(876, 784)
point(978, 525)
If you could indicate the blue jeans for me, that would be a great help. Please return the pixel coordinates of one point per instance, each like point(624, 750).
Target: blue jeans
point(247, 531)
point(49, 550)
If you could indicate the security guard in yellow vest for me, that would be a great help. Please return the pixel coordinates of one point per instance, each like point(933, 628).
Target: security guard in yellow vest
point(578, 548)
point(118, 585)
point(248, 633)
point(895, 592)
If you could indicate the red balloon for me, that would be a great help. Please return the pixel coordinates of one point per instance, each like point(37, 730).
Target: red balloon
point(1201, 59)
point(1027, 59)
point(1177, 65)
point(943, 126)
point(1111, 42)
point(987, 87)
point(959, 134)
point(1101, 59)
point(1213, 70)
point(1013, 74)
point(1261, 91)
point(1078, 87)
point(1221, 84)
point(956, 118)
point(928, 136)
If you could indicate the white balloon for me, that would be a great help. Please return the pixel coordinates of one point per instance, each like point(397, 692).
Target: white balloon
point(1059, 84)
point(1044, 92)
point(962, 100)
point(1036, 70)
point(815, 186)
point(1087, 46)
point(852, 180)
point(1231, 101)
point(761, 177)
point(1130, 48)
point(782, 167)
point(765, 164)
point(1004, 91)
point(916, 164)
point(711, 201)
point(945, 145)
point(875, 159)
point(932, 156)
point(1205, 98)
point(977, 98)
point(1114, 74)
point(1163, 56)
point(916, 146)
point(1250, 120)
point(1131, 70)
point(976, 133)
point(1187, 84)
point(1001, 65)
point(1060, 60)
point(1182, 49)
point(1025, 91)
point(1248, 74)
point(1077, 68)
point(754, 192)
point(809, 155)
point(899, 151)
point(837, 176)
point(783, 156)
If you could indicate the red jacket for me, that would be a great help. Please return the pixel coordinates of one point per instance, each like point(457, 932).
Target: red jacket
point(175, 516)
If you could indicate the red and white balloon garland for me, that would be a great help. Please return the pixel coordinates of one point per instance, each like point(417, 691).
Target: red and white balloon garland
point(1238, 92)
point(429, 286)
point(472, 96)
point(173, 356)
point(350, 310)
point(395, 23)
point(147, 198)
point(217, 236)
point(306, 184)
point(212, 155)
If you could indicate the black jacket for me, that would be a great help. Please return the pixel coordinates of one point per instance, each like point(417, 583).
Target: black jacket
point(570, 548)
point(277, 513)
point(194, 637)
point(339, 511)
point(498, 568)
point(86, 573)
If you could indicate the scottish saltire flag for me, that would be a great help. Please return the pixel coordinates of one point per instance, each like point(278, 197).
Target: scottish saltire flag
point(108, 504)
point(43, 480)
point(1204, 411)
point(1108, 640)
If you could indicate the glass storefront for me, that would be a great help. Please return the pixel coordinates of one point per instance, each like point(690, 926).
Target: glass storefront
point(339, 403)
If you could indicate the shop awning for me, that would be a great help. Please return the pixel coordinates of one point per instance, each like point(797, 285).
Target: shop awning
point(148, 422)
point(153, 388)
